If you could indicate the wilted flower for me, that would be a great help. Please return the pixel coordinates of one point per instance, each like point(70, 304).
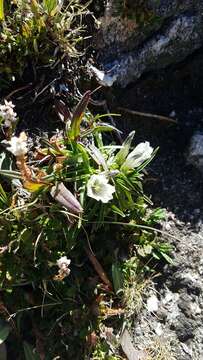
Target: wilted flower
point(98, 188)
point(142, 152)
point(63, 264)
point(66, 198)
point(18, 145)
point(7, 113)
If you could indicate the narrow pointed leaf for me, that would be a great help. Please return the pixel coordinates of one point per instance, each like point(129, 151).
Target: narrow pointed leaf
point(1, 9)
point(11, 174)
point(117, 277)
point(123, 153)
point(78, 115)
point(4, 332)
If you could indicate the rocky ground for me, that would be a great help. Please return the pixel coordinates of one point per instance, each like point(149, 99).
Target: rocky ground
point(170, 323)
point(136, 37)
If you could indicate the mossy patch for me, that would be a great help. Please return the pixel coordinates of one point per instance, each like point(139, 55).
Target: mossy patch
point(136, 10)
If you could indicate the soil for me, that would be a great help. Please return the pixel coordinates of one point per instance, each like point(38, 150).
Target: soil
point(175, 325)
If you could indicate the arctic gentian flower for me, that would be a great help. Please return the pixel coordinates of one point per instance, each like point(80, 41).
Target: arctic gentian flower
point(142, 152)
point(99, 188)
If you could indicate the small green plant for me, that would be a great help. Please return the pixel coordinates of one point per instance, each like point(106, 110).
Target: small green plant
point(35, 33)
point(75, 229)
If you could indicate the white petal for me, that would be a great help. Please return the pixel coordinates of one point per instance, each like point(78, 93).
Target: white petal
point(142, 152)
point(99, 189)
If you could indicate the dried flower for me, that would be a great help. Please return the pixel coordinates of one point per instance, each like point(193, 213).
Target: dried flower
point(7, 113)
point(18, 145)
point(99, 189)
point(142, 152)
point(63, 264)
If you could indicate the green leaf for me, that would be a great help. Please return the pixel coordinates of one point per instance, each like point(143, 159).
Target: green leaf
point(3, 196)
point(29, 352)
point(118, 211)
point(157, 214)
point(50, 5)
point(117, 277)
point(5, 160)
point(167, 258)
point(11, 174)
point(123, 153)
point(4, 331)
point(1, 9)
point(77, 117)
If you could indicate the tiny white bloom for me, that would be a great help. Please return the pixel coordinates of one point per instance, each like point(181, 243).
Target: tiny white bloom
point(63, 264)
point(7, 113)
point(142, 152)
point(99, 189)
point(18, 145)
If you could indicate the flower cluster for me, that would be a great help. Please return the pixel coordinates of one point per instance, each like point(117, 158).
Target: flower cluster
point(63, 264)
point(98, 186)
point(7, 114)
point(18, 145)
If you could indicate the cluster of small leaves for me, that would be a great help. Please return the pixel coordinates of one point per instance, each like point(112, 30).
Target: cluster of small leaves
point(39, 32)
point(46, 213)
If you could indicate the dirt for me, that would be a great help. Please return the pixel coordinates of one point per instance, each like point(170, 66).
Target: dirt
point(175, 325)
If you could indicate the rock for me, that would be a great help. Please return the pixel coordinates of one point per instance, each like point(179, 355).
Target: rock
point(152, 303)
point(129, 349)
point(185, 328)
point(147, 37)
point(195, 154)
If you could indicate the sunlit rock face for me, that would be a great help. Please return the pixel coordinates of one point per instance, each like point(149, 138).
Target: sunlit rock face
point(139, 36)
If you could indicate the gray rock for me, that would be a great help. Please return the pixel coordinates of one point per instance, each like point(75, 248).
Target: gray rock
point(129, 49)
point(185, 328)
point(195, 154)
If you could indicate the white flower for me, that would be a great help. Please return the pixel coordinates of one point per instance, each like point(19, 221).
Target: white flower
point(63, 264)
point(142, 152)
point(18, 145)
point(7, 113)
point(98, 188)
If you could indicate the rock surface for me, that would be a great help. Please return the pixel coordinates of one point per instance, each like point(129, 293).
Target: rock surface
point(169, 31)
point(195, 153)
point(177, 323)
point(173, 330)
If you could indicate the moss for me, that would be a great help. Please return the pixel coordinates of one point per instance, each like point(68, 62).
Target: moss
point(136, 10)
